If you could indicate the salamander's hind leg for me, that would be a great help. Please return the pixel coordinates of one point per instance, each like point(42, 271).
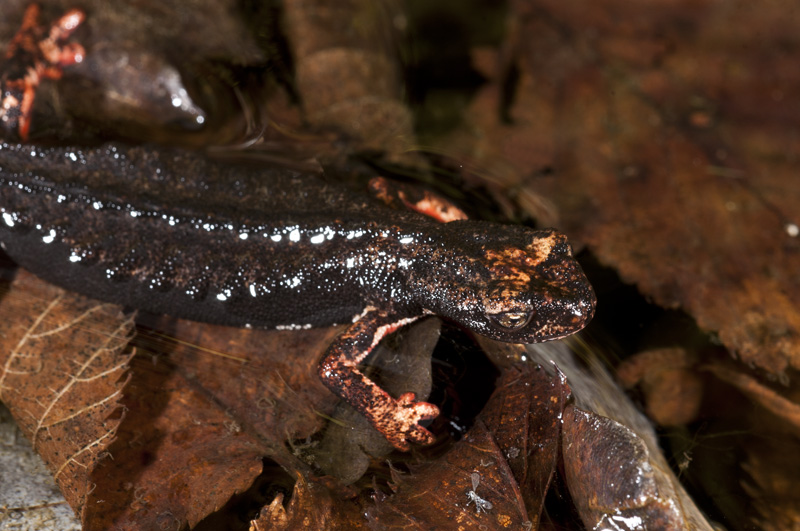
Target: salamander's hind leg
point(405, 196)
point(398, 420)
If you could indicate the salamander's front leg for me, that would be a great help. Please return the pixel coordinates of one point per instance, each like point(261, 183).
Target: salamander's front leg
point(404, 196)
point(397, 419)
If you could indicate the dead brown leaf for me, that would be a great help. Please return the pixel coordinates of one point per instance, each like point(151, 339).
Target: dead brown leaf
point(62, 365)
point(498, 475)
point(202, 419)
point(783, 407)
point(275, 389)
point(658, 158)
point(443, 493)
point(310, 507)
point(199, 420)
point(775, 496)
point(178, 458)
point(524, 418)
point(664, 160)
point(347, 73)
point(668, 377)
point(610, 476)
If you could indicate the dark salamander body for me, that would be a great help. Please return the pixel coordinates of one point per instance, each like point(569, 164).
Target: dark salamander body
point(172, 232)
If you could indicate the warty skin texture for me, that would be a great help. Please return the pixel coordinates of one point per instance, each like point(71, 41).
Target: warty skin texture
point(173, 232)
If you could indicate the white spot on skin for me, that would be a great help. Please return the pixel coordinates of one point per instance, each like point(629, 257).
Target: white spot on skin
point(293, 327)
point(253, 290)
point(406, 240)
point(8, 218)
point(243, 235)
point(275, 237)
point(317, 238)
point(618, 521)
point(50, 238)
point(294, 235)
point(792, 230)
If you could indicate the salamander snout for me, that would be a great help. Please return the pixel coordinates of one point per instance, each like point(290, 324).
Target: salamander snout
point(536, 292)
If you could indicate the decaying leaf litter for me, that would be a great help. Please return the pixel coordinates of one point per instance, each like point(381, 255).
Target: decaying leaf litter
point(641, 139)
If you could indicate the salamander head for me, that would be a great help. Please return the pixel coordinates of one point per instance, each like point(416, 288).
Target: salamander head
point(531, 289)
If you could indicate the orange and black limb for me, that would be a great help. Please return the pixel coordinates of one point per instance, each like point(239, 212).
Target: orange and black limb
point(35, 53)
point(416, 198)
point(397, 419)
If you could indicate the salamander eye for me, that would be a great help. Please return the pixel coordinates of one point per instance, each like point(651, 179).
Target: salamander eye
point(511, 320)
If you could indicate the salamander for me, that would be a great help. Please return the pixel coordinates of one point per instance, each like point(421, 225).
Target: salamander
point(35, 53)
point(174, 232)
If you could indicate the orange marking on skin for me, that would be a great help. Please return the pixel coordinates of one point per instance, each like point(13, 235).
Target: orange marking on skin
point(430, 204)
point(435, 207)
point(542, 247)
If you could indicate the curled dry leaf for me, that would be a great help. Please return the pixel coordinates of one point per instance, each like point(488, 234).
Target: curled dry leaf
point(611, 477)
point(498, 475)
point(444, 494)
point(62, 365)
point(608, 428)
point(524, 418)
